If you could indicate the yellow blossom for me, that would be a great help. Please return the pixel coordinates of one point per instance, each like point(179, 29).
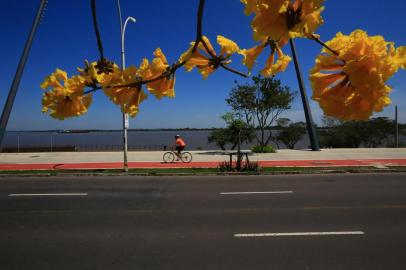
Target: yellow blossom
point(55, 80)
point(271, 67)
point(251, 55)
point(281, 19)
point(94, 76)
point(349, 83)
point(205, 59)
point(66, 96)
point(164, 87)
point(125, 92)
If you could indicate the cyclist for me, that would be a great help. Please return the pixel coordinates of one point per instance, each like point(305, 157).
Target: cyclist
point(180, 146)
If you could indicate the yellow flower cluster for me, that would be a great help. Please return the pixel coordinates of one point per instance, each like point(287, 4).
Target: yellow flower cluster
point(160, 88)
point(351, 83)
point(205, 58)
point(65, 97)
point(271, 67)
point(281, 20)
point(123, 91)
point(94, 77)
point(274, 23)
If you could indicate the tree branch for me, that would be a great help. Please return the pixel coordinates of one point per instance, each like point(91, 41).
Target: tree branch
point(96, 29)
point(323, 44)
point(199, 27)
point(234, 71)
point(199, 38)
point(177, 65)
point(91, 90)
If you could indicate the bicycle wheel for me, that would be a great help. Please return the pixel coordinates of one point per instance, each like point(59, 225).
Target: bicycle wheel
point(168, 157)
point(186, 157)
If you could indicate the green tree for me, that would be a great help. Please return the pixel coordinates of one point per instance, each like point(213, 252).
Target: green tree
point(344, 135)
point(379, 130)
point(219, 138)
point(259, 104)
point(353, 134)
point(236, 131)
point(291, 134)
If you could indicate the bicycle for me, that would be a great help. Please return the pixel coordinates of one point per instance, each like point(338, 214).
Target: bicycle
point(169, 156)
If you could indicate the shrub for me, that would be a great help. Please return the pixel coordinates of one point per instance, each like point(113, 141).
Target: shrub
point(226, 166)
point(251, 166)
point(291, 134)
point(263, 149)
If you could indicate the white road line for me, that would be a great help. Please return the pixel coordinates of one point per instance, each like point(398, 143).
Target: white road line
point(46, 194)
point(298, 234)
point(257, 192)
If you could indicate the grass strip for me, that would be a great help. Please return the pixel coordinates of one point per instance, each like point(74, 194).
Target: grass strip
point(163, 171)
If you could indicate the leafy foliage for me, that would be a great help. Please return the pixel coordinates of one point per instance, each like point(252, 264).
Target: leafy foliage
point(353, 134)
point(260, 104)
point(236, 131)
point(291, 134)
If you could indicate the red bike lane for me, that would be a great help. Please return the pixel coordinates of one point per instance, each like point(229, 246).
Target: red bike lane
point(204, 164)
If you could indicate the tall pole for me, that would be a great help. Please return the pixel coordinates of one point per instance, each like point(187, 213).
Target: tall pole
point(396, 127)
point(125, 115)
point(20, 69)
point(308, 114)
point(239, 149)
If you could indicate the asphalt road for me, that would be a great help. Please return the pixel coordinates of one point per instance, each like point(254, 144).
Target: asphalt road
point(338, 222)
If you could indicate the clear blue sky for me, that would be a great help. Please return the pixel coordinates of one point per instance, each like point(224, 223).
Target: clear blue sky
point(65, 38)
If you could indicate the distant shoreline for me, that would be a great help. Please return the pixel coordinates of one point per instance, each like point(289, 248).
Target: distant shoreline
point(116, 130)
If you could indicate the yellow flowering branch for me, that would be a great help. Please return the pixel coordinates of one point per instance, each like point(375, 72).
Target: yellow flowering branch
point(174, 67)
point(199, 38)
point(215, 60)
point(67, 96)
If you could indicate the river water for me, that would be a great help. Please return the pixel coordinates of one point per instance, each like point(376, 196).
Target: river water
point(112, 140)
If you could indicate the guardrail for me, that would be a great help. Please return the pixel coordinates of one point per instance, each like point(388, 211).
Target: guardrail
point(83, 148)
point(118, 147)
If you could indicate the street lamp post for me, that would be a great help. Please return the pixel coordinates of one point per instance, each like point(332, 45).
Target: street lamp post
point(125, 115)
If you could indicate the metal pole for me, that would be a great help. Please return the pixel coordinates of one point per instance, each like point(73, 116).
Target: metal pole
point(396, 127)
point(239, 150)
point(308, 114)
point(51, 142)
point(125, 115)
point(19, 72)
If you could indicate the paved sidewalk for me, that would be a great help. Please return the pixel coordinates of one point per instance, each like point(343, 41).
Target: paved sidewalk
point(377, 157)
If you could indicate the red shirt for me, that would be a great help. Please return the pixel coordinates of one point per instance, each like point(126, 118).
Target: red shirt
point(180, 142)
